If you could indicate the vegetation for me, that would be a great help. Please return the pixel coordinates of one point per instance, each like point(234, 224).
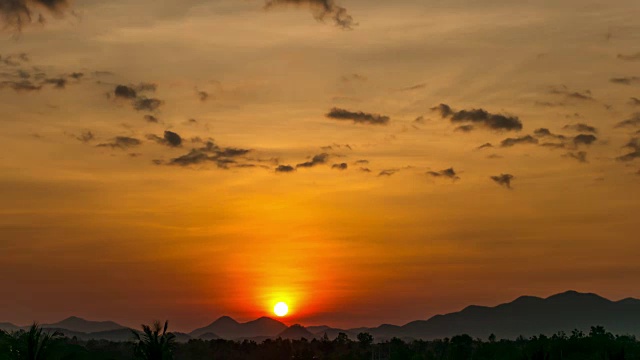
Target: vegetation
point(155, 343)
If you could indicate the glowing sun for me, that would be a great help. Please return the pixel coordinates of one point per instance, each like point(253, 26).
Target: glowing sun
point(281, 309)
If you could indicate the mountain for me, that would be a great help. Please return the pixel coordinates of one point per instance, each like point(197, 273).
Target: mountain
point(527, 316)
point(77, 324)
point(296, 332)
point(5, 326)
point(227, 328)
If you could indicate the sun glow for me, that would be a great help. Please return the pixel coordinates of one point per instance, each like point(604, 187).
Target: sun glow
point(281, 309)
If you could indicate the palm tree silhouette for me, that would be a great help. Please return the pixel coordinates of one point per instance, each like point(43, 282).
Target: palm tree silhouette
point(34, 344)
point(154, 343)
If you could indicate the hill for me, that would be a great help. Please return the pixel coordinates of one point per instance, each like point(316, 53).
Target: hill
point(227, 328)
point(77, 324)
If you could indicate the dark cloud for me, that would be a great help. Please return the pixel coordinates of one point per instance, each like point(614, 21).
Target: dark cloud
point(147, 104)
point(634, 145)
point(20, 86)
point(121, 142)
point(364, 169)
point(151, 119)
point(322, 9)
point(528, 139)
point(630, 57)
point(485, 146)
point(629, 80)
point(414, 87)
point(285, 168)
point(18, 13)
point(480, 117)
point(503, 180)
point(584, 139)
point(13, 59)
point(59, 83)
point(464, 128)
point(316, 160)
point(169, 138)
point(358, 117)
point(85, 136)
point(202, 95)
point(145, 86)
point(446, 173)
point(581, 156)
point(631, 122)
point(580, 127)
point(634, 101)
point(388, 172)
point(544, 132)
point(210, 152)
point(341, 166)
point(361, 162)
point(577, 95)
point(125, 92)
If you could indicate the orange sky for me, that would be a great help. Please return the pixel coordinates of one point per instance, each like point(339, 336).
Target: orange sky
point(106, 216)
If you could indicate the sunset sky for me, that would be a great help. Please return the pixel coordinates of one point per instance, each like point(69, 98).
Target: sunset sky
point(365, 162)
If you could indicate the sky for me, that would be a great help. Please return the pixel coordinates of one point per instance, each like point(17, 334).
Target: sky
point(365, 162)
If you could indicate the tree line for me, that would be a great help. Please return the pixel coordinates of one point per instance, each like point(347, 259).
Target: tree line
point(154, 342)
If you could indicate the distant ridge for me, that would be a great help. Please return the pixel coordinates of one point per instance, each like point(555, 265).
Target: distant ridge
point(227, 328)
point(77, 324)
point(526, 316)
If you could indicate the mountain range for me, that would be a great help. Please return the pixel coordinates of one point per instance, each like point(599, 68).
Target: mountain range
point(526, 316)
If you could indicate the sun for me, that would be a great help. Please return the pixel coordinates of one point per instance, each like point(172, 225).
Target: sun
point(281, 309)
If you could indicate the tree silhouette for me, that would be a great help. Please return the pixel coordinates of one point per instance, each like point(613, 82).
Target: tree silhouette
point(154, 343)
point(34, 344)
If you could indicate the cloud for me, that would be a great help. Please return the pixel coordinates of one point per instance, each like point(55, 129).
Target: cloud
point(322, 10)
point(464, 128)
point(414, 87)
point(125, 92)
point(353, 77)
point(631, 122)
point(151, 119)
point(544, 132)
point(20, 86)
point(388, 172)
point(629, 80)
point(59, 83)
point(364, 169)
point(528, 139)
point(581, 156)
point(85, 136)
point(446, 173)
point(634, 145)
point(341, 166)
point(19, 13)
point(147, 104)
point(485, 146)
point(630, 57)
point(580, 127)
point(358, 117)
point(210, 152)
point(202, 95)
point(480, 117)
point(169, 138)
point(584, 139)
point(361, 162)
point(285, 168)
point(634, 101)
point(121, 142)
point(419, 120)
point(577, 95)
point(503, 180)
point(316, 160)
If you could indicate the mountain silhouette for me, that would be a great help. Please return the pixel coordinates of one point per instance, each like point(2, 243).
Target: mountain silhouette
point(77, 324)
point(526, 316)
point(5, 326)
point(296, 332)
point(227, 328)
